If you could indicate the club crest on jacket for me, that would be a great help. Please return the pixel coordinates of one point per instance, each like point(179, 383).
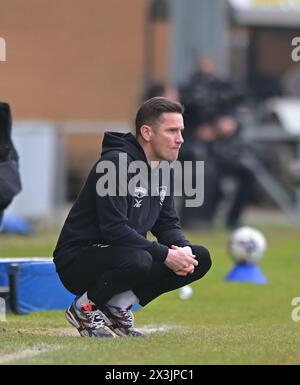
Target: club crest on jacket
point(139, 194)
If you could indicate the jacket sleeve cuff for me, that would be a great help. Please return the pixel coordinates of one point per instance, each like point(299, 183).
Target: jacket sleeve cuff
point(158, 251)
point(182, 243)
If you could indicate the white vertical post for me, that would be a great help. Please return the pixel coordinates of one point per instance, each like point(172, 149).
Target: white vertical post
point(2, 310)
point(2, 49)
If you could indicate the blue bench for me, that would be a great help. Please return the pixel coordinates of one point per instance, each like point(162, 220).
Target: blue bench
point(33, 285)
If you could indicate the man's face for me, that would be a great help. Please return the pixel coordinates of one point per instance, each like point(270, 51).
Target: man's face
point(166, 138)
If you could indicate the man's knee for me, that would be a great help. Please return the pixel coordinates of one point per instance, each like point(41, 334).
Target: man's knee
point(203, 257)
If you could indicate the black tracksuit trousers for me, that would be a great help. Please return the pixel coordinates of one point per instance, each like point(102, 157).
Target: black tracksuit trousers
point(104, 271)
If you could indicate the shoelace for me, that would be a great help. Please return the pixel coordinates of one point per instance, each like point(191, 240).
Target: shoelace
point(126, 316)
point(95, 319)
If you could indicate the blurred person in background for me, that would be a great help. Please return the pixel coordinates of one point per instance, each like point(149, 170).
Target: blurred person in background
point(10, 181)
point(163, 89)
point(213, 133)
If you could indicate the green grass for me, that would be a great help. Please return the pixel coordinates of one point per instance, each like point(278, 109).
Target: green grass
point(223, 323)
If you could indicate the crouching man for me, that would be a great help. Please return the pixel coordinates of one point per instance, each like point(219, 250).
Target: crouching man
point(103, 255)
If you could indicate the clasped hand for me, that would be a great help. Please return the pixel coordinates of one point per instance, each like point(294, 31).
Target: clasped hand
point(181, 260)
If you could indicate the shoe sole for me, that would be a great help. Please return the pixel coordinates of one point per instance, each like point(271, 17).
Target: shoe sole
point(119, 333)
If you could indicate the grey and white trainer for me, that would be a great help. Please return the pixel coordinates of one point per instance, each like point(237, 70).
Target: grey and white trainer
point(122, 321)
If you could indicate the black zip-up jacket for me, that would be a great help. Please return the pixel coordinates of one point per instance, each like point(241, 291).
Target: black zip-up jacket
point(120, 220)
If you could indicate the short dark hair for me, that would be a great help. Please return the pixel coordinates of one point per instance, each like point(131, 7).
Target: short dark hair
point(151, 110)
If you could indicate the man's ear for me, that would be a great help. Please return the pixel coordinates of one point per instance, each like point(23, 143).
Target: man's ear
point(146, 132)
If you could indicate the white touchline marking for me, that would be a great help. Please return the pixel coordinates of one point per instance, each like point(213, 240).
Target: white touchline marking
point(27, 353)
point(154, 329)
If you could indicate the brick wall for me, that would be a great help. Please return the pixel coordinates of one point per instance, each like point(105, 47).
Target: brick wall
point(70, 59)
